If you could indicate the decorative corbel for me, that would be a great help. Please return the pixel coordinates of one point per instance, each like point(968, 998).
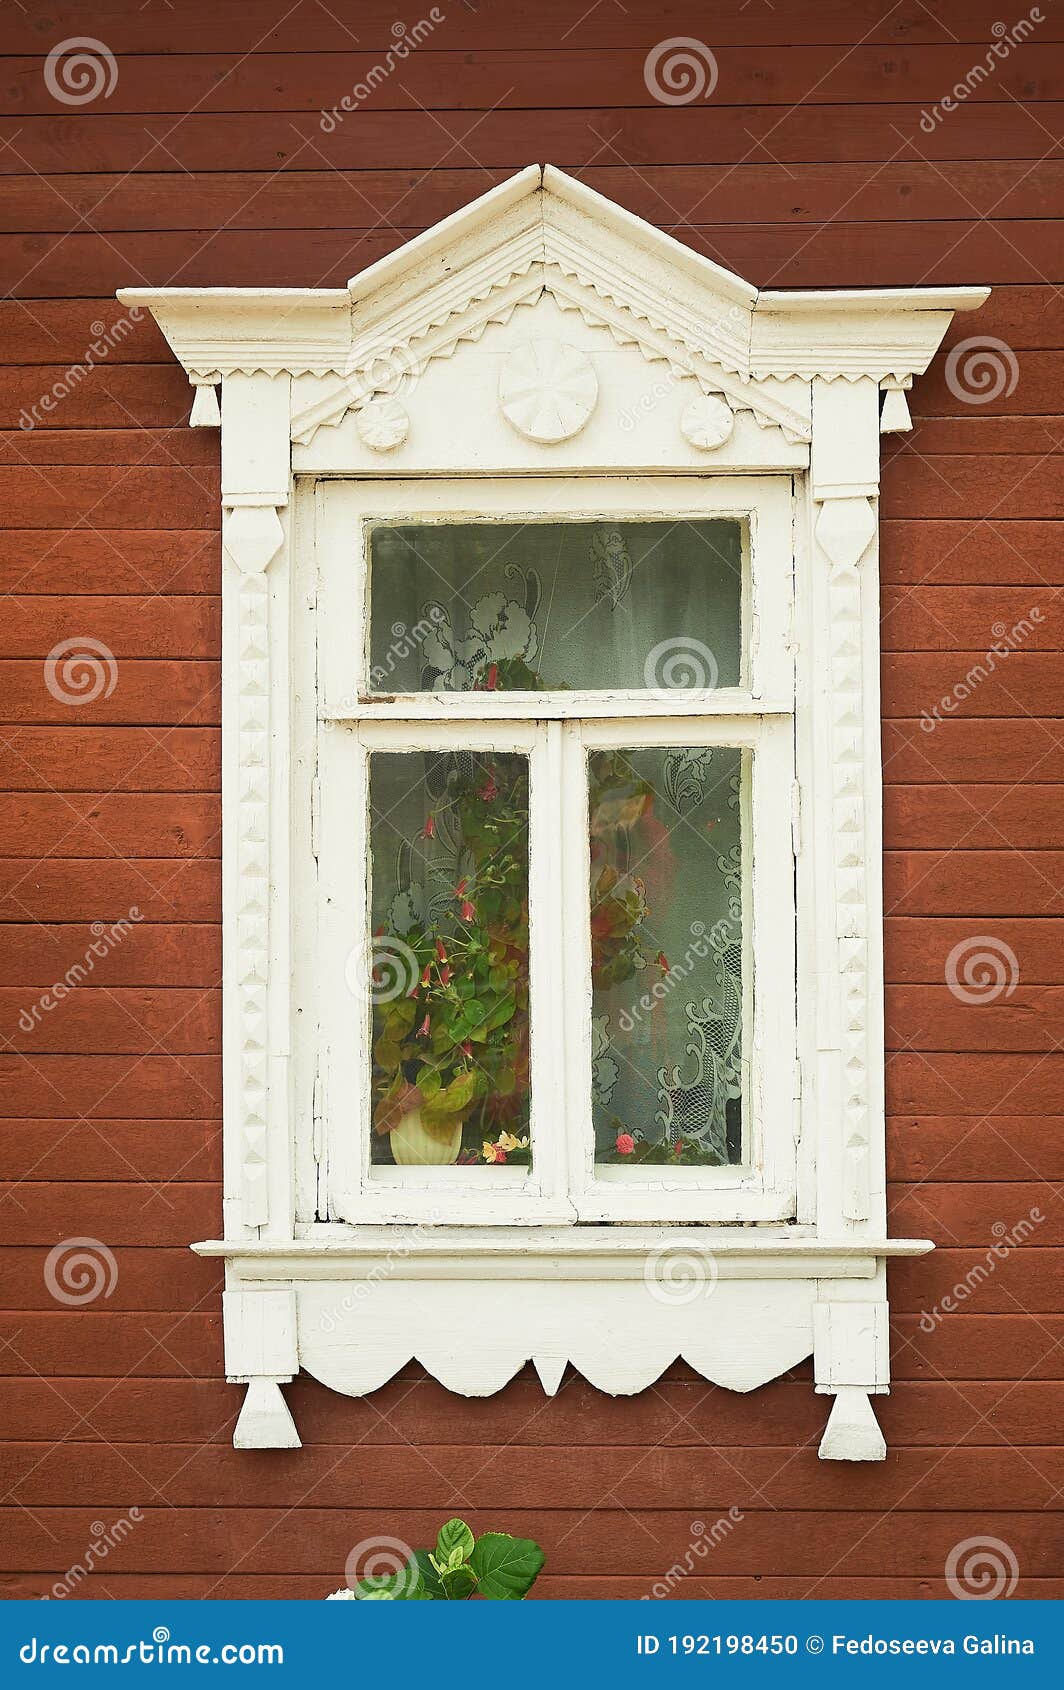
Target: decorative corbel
point(205, 411)
point(894, 415)
point(260, 1352)
point(850, 1360)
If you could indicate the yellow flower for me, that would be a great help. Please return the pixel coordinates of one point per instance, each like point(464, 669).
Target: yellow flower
point(488, 1151)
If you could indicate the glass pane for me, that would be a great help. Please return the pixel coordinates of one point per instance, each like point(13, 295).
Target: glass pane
point(456, 607)
point(449, 914)
point(666, 955)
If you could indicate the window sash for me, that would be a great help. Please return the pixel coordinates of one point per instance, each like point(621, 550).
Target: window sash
point(347, 511)
point(762, 1187)
point(563, 1182)
point(556, 730)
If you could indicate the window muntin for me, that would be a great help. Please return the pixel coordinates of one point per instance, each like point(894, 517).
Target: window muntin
point(558, 729)
point(543, 606)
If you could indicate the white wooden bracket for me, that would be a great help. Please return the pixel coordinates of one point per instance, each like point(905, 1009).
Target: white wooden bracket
point(851, 1360)
point(261, 1352)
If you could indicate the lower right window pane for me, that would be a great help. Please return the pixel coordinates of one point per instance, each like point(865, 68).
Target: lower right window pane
point(666, 843)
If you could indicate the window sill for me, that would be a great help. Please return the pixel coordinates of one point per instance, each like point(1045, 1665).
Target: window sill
point(537, 1253)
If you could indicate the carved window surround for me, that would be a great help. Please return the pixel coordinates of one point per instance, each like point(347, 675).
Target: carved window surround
point(644, 359)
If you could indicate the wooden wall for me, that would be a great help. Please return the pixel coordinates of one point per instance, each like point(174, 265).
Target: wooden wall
point(207, 165)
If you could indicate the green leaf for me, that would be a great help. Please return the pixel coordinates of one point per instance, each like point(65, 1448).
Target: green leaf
point(506, 1567)
point(454, 1535)
point(458, 1582)
point(451, 1100)
point(430, 1578)
point(406, 1585)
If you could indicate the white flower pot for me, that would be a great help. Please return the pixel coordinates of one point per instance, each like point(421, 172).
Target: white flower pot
point(414, 1146)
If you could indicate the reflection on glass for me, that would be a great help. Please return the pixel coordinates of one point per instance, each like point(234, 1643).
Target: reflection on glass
point(456, 607)
point(449, 989)
point(666, 947)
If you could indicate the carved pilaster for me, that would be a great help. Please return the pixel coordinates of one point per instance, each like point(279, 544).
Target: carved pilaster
point(252, 536)
point(844, 530)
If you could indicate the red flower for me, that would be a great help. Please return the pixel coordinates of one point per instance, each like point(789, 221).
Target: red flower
point(467, 1049)
point(440, 952)
point(625, 1144)
point(425, 976)
point(489, 791)
point(460, 889)
point(423, 1030)
point(662, 961)
point(677, 1147)
point(493, 677)
point(468, 911)
point(429, 829)
point(500, 1154)
point(445, 975)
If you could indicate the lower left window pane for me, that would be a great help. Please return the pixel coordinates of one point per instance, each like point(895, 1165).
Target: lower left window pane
point(450, 982)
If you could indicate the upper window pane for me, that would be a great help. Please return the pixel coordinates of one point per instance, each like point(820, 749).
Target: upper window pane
point(457, 607)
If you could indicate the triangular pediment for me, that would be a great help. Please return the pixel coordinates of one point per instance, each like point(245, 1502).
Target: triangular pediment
point(543, 233)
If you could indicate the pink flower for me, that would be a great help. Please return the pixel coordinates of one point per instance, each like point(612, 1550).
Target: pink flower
point(467, 1049)
point(468, 911)
point(423, 1030)
point(625, 1144)
point(500, 1154)
point(429, 829)
point(489, 791)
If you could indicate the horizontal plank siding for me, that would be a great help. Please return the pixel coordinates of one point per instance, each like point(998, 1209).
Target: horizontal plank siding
point(813, 163)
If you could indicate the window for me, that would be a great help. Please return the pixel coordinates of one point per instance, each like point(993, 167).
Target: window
point(556, 760)
point(552, 811)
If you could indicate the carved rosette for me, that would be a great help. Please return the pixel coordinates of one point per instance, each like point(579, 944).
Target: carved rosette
point(844, 530)
point(253, 535)
point(547, 390)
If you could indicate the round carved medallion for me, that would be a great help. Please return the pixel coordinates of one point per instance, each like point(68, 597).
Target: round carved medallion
point(382, 425)
point(547, 390)
point(707, 422)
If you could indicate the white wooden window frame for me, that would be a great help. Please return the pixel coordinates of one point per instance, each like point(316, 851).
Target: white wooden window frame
point(657, 372)
point(555, 730)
